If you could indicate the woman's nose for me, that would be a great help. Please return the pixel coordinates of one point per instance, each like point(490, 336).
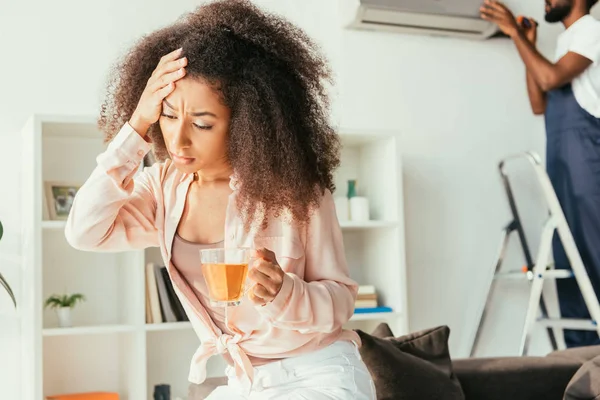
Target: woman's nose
point(179, 139)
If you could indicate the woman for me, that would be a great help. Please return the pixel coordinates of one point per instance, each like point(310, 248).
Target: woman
point(237, 117)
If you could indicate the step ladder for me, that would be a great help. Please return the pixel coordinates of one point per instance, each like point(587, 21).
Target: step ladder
point(536, 271)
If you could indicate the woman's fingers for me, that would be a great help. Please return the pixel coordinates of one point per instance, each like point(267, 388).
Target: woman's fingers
point(174, 55)
point(263, 293)
point(255, 299)
point(262, 279)
point(166, 79)
point(170, 67)
point(164, 92)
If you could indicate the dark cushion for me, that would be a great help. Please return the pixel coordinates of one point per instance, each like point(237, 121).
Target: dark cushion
point(382, 331)
point(514, 378)
point(416, 366)
point(585, 384)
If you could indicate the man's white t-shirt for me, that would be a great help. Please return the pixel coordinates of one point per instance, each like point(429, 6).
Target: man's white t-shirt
point(583, 37)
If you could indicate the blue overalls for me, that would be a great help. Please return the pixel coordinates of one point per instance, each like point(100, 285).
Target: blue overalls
point(573, 164)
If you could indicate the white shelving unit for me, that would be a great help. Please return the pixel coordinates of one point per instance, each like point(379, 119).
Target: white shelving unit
point(111, 347)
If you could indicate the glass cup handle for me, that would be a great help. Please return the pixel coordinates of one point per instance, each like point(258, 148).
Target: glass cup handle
point(249, 284)
point(248, 289)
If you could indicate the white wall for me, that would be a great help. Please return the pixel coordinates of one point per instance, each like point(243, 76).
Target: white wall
point(460, 106)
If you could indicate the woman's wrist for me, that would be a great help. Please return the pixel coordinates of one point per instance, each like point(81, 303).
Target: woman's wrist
point(139, 126)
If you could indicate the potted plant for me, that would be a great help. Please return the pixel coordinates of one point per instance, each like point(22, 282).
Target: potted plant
point(63, 305)
point(3, 282)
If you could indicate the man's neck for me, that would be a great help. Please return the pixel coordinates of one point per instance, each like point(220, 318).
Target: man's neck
point(574, 16)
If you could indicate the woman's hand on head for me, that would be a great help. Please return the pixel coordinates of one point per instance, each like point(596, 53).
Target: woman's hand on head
point(161, 83)
point(267, 276)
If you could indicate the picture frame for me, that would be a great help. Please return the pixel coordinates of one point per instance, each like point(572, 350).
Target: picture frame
point(59, 198)
point(45, 212)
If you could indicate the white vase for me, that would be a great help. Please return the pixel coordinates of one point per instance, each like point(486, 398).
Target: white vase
point(64, 317)
point(359, 209)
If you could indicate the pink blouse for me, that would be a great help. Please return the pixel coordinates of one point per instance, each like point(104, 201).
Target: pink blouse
point(121, 208)
point(185, 257)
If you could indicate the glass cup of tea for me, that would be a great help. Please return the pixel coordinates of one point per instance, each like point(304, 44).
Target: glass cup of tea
point(226, 274)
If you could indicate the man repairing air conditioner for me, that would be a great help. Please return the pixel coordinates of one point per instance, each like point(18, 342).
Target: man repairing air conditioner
point(567, 92)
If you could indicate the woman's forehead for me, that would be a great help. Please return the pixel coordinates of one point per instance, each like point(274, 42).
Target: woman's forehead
point(194, 94)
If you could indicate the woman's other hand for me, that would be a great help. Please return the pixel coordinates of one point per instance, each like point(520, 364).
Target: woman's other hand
point(161, 83)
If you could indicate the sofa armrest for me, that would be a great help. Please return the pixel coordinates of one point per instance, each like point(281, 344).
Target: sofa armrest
point(579, 354)
point(200, 392)
point(515, 378)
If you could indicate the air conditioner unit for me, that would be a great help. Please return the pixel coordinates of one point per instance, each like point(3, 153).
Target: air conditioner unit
point(458, 18)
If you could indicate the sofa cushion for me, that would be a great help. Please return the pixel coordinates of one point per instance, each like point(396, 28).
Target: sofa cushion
point(579, 354)
point(515, 378)
point(585, 384)
point(416, 366)
point(383, 331)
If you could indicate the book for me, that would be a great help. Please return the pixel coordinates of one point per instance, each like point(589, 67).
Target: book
point(180, 313)
point(165, 305)
point(365, 303)
point(372, 296)
point(366, 297)
point(153, 294)
point(366, 289)
point(372, 310)
point(85, 396)
point(148, 307)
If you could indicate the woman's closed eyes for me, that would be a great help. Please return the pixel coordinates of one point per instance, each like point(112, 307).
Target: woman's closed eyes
point(196, 125)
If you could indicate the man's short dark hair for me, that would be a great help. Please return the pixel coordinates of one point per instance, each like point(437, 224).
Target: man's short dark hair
point(591, 3)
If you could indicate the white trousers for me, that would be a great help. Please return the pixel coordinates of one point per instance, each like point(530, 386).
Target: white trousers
point(336, 372)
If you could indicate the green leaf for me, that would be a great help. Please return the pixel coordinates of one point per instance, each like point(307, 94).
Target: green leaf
point(53, 302)
point(66, 300)
point(74, 298)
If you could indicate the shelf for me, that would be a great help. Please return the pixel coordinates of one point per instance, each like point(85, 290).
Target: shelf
point(375, 316)
point(70, 126)
point(54, 224)
point(176, 326)
point(169, 326)
point(353, 138)
point(130, 356)
point(88, 330)
point(361, 225)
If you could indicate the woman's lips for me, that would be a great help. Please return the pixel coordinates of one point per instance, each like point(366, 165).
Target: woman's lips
point(182, 159)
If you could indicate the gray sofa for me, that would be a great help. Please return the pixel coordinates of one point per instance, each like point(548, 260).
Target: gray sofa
point(532, 378)
point(419, 367)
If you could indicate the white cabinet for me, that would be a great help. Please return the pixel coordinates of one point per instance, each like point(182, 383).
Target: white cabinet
point(110, 347)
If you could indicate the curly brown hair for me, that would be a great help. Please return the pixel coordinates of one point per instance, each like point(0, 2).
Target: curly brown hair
point(274, 79)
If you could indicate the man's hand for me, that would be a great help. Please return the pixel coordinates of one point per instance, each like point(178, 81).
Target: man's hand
point(529, 27)
point(496, 12)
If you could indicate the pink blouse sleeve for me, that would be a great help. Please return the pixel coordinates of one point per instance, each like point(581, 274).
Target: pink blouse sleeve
point(113, 210)
point(323, 299)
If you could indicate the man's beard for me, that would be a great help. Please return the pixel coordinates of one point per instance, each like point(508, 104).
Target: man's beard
point(559, 12)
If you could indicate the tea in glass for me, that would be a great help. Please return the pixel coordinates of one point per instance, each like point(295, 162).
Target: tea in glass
point(225, 272)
